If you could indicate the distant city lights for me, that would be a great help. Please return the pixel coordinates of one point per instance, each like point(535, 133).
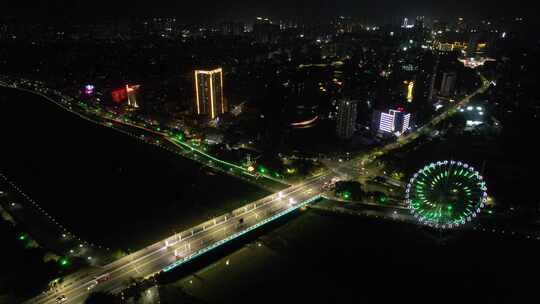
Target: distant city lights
point(474, 62)
point(89, 89)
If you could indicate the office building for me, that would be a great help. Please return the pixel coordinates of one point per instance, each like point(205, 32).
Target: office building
point(395, 121)
point(448, 84)
point(209, 93)
point(264, 31)
point(346, 118)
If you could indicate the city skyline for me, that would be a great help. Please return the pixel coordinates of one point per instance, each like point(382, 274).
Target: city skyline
point(232, 152)
point(386, 11)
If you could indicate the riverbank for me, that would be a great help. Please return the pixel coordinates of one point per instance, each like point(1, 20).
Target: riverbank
point(105, 186)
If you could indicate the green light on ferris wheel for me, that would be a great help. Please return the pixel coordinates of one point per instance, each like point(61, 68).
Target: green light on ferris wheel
point(451, 195)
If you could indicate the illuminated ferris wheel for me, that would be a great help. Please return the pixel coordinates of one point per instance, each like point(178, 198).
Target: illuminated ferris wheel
point(446, 194)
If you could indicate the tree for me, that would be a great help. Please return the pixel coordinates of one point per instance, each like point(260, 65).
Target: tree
point(350, 190)
point(99, 297)
point(136, 288)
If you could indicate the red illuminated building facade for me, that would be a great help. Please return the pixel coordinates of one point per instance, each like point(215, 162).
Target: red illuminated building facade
point(129, 93)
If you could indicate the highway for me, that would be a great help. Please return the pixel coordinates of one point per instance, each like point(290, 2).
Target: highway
point(182, 247)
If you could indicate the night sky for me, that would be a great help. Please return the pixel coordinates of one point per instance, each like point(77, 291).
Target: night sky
point(373, 10)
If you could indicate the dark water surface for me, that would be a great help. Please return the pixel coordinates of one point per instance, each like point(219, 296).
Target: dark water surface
point(317, 257)
point(105, 186)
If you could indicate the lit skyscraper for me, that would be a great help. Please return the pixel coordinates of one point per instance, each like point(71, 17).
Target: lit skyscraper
point(209, 93)
point(133, 96)
point(410, 91)
point(346, 118)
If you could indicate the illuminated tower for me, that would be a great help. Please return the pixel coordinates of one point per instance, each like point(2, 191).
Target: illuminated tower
point(410, 90)
point(133, 96)
point(209, 93)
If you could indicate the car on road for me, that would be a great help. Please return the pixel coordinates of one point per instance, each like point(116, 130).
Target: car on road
point(102, 278)
point(99, 279)
point(61, 299)
point(92, 285)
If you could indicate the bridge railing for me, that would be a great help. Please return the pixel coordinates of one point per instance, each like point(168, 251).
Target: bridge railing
point(238, 234)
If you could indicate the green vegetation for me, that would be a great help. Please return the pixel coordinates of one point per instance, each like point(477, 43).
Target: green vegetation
point(378, 197)
point(25, 269)
point(349, 190)
point(99, 297)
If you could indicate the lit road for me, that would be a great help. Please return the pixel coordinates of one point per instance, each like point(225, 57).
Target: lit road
point(188, 244)
point(427, 128)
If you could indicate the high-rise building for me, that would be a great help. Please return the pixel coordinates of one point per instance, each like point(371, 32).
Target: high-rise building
point(395, 121)
point(419, 22)
point(265, 31)
point(461, 25)
point(433, 78)
point(410, 91)
point(209, 93)
point(134, 99)
point(346, 118)
point(405, 23)
point(448, 83)
point(232, 28)
point(162, 26)
point(119, 95)
point(472, 46)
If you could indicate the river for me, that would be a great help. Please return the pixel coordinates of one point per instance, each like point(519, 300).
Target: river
point(109, 188)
